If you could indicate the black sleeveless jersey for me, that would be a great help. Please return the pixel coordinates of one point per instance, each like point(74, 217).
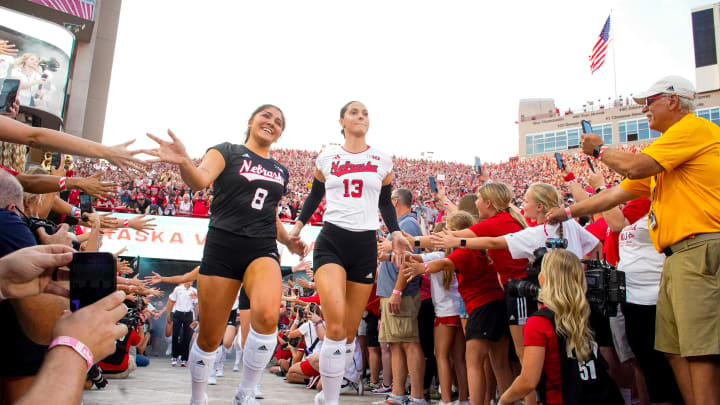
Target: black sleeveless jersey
point(247, 192)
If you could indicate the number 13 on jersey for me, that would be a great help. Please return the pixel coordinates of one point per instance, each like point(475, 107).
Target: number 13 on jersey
point(353, 188)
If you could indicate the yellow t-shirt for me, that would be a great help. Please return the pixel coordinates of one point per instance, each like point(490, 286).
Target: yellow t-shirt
point(687, 194)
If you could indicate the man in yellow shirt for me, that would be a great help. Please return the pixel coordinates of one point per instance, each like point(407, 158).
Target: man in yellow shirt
point(680, 173)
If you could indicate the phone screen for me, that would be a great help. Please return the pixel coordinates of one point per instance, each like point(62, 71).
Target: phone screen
point(55, 160)
point(85, 203)
point(433, 184)
point(478, 165)
point(8, 94)
point(92, 277)
point(586, 127)
point(559, 160)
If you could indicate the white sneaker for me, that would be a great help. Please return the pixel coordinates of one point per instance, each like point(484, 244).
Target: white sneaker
point(350, 388)
point(258, 393)
point(236, 368)
point(204, 402)
point(173, 362)
point(211, 379)
point(319, 398)
point(168, 351)
point(219, 372)
point(243, 399)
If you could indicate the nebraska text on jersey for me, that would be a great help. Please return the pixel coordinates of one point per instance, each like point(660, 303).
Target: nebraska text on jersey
point(257, 172)
point(339, 169)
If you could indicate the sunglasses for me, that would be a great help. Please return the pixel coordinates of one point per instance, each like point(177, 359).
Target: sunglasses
point(652, 99)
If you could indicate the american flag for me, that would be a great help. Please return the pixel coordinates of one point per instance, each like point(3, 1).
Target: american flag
point(600, 49)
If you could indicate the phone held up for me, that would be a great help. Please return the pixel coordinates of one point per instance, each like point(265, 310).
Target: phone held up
point(559, 161)
point(478, 165)
point(8, 93)
point(586, 127)
point(92, 277)
point(433, 184)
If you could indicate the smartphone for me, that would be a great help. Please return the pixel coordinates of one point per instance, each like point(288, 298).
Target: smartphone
point(55, 160)
point(478, 165)
point(433, 184)
point(559, 160)
point(312, 307)
point(8, 94)
point(586, 127)
point(591, 165)
point(92, 277)
point(85, 203)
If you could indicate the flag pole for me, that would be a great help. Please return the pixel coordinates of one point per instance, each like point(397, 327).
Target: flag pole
point(612, 31)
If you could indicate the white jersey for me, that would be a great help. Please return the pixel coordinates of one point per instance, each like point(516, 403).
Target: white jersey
point(352, 186)
point(641, 263)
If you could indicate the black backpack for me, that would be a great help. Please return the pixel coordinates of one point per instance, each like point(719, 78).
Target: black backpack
point(585, 383)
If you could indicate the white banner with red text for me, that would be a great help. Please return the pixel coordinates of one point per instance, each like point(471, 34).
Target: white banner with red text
point(180, 238)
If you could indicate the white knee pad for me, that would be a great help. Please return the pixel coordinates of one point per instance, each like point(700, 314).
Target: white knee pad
point(258, 349)
point(332, 358)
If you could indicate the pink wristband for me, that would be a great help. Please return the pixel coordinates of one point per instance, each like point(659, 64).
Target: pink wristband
point(75, 212)
point(427, 269)
point(396, 292)
point(61, 183)
point(76, 345)
point(125, 223)
point(567, 212)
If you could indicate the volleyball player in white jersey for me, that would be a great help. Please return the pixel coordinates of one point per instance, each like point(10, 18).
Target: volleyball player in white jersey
point(356, 179)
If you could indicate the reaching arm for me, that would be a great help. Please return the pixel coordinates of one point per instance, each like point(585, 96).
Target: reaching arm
point(597, 203)
point(317, 192)
point(527, 381)
point(43, 138)
point(446, 240)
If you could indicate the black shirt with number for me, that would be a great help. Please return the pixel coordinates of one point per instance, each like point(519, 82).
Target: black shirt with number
point(247, 192)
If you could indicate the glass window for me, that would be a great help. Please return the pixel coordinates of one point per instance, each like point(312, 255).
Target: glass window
point(654, 133)
point(573, 137)
point(622, 132)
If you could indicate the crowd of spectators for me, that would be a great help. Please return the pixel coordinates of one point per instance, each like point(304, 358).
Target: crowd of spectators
point(161, 191)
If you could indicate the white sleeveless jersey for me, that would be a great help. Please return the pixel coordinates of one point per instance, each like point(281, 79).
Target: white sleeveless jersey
point(352, 186)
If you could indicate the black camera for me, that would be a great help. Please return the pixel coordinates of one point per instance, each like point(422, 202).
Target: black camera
point(50, 228)
point(134, 316)
point(605, 287)
point(522, 288)
point(533, 268)
point(95, 375)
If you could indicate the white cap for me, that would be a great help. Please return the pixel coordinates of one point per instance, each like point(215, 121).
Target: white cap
point(668, 85)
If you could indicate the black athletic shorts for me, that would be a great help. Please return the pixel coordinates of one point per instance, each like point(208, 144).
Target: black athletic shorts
point(356, 252)
point(244, 300)
point(22, 357)
point(640, 331)
point(371, 330)
point(232, 319)
point(519, 309)
point(228, 255)
point(601, 326)
point(488, 322)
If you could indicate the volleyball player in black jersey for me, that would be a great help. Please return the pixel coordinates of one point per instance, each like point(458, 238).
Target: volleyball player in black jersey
point(240, 247)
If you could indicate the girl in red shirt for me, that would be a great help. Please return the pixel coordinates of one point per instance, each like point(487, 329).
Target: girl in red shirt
point(486, 333)
point(562, 290)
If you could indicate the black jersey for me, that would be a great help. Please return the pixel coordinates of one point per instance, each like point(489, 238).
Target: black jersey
point(247, 192)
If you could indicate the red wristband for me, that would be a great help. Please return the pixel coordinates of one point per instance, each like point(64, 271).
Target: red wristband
point(76, 345)
point(602, 149)
point(570, 177)
point(427, 269)
point(61, 183)
point(125, 223)
point(567, 212)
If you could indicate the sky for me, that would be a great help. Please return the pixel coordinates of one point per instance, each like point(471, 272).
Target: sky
point(443, 77)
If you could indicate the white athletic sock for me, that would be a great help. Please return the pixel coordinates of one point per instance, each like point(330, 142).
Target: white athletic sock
point(200, 367)
point(256, 355)
point(218, 358)
point(238, 356)
point(332, 367)
point(349, 353)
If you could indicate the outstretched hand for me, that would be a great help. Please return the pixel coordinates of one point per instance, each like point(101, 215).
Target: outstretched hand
point(400, 246)
point(168, 152)
point(444, 240)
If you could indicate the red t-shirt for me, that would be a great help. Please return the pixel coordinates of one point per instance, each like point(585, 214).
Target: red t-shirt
point(313, 298)
point(200, 207)
point(539, 331)
point(123, 348)
point(373, 304)
point(477, 279)
point(632, 211)
point(501, 224)
point(598, 229)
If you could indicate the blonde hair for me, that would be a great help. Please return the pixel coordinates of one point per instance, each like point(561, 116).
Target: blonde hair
point(500, 196)
point(27, 196)
point(456, 222)
point(549, 197)
point(564, 293)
